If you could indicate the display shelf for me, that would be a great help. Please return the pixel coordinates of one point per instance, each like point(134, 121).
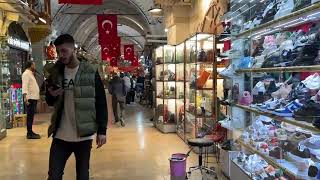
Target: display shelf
point(201, 72)
point(287, 167)
point(292, 121)
point(314, 68)
point(285, 19)
point(168, 80)
point(165, 89)
point(201, 89)
point(260, 43)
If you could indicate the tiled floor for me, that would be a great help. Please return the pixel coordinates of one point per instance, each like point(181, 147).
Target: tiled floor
point(136, 152)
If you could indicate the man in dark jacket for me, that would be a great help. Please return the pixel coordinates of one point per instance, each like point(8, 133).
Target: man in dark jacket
point(118, 90)
point(76, 91)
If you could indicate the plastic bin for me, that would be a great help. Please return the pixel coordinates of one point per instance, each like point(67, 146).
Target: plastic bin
point(178, 164)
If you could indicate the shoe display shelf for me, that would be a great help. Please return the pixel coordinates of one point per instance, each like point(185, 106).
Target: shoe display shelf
point(244, 73)
point(298, 17)
point(312, 68)
point(200, 84)
point(289, 168)
point(302, 124)
point(180, 89)
point(166, 88)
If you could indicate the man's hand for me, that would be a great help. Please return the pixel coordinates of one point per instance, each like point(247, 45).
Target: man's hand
point(26, 101)
point(101, 140)
point(55, 93)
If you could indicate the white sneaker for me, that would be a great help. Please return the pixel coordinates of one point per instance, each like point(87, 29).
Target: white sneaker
point(259, 87)
point(285, 8)
point(312, 82)
point(229, 71)
point(259, 60)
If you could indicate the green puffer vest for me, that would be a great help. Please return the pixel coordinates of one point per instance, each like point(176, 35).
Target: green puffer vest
point(84, 99)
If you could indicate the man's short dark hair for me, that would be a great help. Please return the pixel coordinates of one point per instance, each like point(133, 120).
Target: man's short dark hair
point(29, 64)
point(64, 38)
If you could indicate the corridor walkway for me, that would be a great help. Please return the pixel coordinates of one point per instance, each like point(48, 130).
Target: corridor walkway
point(135, 152)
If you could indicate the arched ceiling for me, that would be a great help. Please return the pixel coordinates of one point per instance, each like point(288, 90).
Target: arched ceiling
point(134, 22)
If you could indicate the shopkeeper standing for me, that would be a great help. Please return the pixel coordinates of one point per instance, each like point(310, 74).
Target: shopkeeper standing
point(31, 94)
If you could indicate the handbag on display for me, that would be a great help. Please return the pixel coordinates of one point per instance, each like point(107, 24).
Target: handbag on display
point(201, 81)
point(210, 56)
point(202, 56)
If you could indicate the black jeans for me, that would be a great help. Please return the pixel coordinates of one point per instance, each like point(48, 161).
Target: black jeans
point(59, 154)
point(31, 110)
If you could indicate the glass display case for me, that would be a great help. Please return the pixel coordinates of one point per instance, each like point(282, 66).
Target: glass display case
point(5, 115)
point(200, 85)
point(275, 93)
point(180, 89)
point(166, 89)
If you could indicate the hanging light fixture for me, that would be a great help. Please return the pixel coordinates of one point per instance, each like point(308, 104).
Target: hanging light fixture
point(155, 9)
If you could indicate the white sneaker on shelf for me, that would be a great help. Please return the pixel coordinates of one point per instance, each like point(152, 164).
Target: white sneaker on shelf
point(259, 87)
point(285, 8)
point(229, 71)
point(312, 82)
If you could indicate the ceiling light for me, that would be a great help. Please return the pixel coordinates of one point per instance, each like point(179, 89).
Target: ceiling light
point(155, 9)
point(165, 30)
point(43, 20)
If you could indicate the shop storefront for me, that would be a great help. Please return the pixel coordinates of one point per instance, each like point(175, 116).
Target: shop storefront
point(15, 52)
point(273, 101)
point(265, 70)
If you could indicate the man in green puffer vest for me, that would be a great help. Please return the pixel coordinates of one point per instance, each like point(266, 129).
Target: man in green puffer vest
point(76, 91)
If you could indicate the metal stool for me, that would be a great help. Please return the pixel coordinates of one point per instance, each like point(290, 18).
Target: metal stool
point(201, 143)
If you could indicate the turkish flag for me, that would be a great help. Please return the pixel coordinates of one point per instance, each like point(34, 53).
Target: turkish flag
point(135, 61)
point(81, 2)
point(114, 62)
point(108, 51)
point(116, 44)
point(107, 28)
point(128, 52)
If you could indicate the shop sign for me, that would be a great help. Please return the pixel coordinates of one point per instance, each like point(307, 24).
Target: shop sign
point(17, 43)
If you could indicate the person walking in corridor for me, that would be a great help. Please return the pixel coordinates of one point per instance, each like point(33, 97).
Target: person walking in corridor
point(31, 94)
point(76, 91)
point(118, 90)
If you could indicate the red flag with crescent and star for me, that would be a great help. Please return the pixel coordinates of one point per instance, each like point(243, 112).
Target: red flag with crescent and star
point(128, 51)
point(135, 61)
point(81, 2)
point(114, 62)
point(107, 28)
point(108, 51)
